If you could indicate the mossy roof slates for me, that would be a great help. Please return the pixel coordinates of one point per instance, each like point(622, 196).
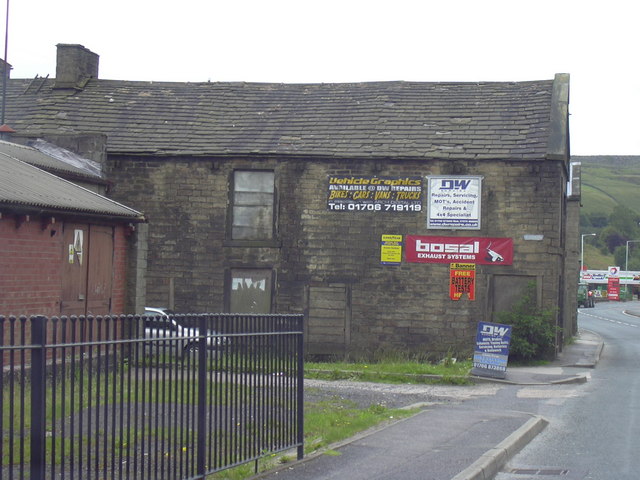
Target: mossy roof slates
point(323, 119)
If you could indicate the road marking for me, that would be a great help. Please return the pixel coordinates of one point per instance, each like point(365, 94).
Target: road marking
point(608, 320)
point(529, 392)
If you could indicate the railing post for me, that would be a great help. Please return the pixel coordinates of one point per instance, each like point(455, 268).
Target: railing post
point(300, 387)
point(202, 395)
point(38, 391)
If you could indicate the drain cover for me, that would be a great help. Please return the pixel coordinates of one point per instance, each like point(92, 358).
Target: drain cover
point(540, 471)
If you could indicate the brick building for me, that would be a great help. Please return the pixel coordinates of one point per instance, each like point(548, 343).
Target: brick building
point(63, 247)
point(357, 204)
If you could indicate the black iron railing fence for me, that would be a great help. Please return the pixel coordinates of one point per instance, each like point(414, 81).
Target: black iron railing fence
point(136, 397)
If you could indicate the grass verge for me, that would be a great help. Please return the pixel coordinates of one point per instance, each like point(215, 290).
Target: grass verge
point(335, 420)
point(325, 423)
point(446, 372)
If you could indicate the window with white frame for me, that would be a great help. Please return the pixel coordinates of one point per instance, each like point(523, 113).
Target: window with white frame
point(253, 205)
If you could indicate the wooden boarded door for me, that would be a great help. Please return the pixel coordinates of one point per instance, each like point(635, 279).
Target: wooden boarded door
point(74, 269)
point(250, 290)
point(87, 269)
point(328, 327)
point(100, 272)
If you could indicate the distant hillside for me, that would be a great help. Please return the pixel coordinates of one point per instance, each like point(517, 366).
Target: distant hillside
point(609, 180)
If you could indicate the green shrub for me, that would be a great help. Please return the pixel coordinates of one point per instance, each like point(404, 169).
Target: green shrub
point(533, 336)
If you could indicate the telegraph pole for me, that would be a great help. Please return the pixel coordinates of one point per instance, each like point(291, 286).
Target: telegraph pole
point(5, 76)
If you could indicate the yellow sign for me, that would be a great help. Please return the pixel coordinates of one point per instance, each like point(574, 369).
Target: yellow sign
point(391, 250)
point(463, 266)
point(392, 238)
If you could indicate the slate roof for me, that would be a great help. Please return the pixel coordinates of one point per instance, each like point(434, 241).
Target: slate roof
point(497, 120)
point(24, 187)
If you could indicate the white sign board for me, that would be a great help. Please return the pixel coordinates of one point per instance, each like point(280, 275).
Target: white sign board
point(454, 202)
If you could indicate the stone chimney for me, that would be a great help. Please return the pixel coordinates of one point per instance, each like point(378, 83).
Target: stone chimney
point(75, 66)
point(5, 69)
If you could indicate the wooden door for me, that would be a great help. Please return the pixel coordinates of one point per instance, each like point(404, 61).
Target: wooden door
point(87, 269)
point(329, 318)
point(100, 274)
point(74, 269)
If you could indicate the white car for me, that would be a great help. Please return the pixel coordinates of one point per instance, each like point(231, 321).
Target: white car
point(161, 323)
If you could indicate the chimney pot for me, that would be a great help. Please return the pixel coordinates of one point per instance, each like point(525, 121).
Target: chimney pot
point(6, 132)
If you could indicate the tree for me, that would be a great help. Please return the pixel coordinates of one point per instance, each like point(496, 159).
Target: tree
point(595, 220)
point(625, 222)
point(619, 254)
point(634, 256)
point(614, 231)
point(611, 238)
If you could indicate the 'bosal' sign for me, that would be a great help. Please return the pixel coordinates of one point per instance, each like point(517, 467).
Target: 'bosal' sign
point(479, 250)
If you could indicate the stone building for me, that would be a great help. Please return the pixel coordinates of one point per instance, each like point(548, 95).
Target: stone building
point(363, 205)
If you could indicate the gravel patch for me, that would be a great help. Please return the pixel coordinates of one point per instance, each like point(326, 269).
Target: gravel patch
point(365, 394)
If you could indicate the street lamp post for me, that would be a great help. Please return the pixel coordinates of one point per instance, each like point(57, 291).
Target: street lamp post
point(626, 255)
point(582, 250)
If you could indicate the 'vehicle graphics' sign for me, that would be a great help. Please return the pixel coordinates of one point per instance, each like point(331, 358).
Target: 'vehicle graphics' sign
point(478, 250)
point(365, 193)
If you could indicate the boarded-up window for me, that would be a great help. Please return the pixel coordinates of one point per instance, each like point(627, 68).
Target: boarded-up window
point(507, 290)
point(253, 205)
point(250, 291)
point(329, 315)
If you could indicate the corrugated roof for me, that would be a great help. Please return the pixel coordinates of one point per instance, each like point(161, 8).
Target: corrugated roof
point(52, 158)
point(26, 186)
point(498, 120)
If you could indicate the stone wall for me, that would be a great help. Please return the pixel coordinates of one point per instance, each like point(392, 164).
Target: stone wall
point(327, 264)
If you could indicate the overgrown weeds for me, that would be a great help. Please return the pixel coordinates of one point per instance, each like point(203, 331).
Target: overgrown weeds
point(393, 369)
point(534, 332)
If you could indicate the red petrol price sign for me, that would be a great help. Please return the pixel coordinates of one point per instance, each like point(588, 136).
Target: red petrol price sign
point(613, 288)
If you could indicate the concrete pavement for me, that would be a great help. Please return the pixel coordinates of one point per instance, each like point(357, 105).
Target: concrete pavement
point(447, 441)
point(583, 353)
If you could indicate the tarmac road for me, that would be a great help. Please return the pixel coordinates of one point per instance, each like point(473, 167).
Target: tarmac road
point(458, 434)
point(593, 435)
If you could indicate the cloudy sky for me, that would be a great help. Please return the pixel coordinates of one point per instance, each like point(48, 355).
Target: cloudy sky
point(295, 41)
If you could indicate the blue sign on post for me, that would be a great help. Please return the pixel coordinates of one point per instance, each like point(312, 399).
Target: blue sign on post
point(492, 350)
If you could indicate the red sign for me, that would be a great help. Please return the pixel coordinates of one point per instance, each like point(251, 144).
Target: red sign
point(479, 250)
point(462, 279)
point(613, 288)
